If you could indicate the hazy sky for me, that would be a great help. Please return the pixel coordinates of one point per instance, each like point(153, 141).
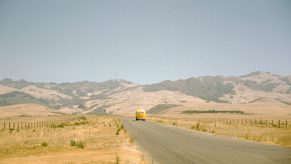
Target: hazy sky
point(143, 41)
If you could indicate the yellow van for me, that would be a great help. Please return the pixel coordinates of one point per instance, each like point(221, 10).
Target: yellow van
point(140, 115)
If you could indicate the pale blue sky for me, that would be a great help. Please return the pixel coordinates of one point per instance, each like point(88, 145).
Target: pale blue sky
point(143, 41)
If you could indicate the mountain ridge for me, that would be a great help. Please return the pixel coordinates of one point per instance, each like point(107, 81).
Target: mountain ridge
point(117, 96)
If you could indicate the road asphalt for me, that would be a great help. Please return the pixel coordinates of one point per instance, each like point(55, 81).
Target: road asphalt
point(167, 144)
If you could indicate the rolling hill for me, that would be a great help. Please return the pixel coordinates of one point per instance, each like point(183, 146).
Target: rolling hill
point(123, 97)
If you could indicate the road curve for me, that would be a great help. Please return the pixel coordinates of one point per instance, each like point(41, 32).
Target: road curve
point(172, 145)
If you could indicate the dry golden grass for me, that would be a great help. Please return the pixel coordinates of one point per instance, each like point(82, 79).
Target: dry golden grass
point(128, 101)
point(4, 89)
point(44, 93)
point(24, 109)
point(78, 139)
point(269, 133)
point(265, 107)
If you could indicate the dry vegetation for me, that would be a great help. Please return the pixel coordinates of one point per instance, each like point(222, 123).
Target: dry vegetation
point(24, 109)
point(244, 127)
point(67, 139)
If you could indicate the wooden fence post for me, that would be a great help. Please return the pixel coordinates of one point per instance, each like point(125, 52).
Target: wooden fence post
point(279, 124)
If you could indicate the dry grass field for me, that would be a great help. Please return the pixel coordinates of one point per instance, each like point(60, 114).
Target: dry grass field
point(264, 107)
point(24, 110)
point(128, 101)
point(67, 139)
point(254, 128)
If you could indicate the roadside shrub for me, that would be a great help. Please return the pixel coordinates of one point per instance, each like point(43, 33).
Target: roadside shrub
point(72, 143)
point(204, 130)
point(44, 144)
point(117, 131)
point(174, 123)
point(117, 159)
point(246, 136)
point(197, 126)
point(257, 138)
point(83, 118)
point(284, 140)
point(62, 125)
point(11, 130)
point(78, 144)
point(119, 128)
point(81, 123)
point(131, 139)
point(161, 121)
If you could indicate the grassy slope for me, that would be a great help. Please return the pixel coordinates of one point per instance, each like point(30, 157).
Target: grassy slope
point(259, 132)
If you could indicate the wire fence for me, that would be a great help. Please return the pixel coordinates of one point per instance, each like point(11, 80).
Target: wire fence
point(239, 121)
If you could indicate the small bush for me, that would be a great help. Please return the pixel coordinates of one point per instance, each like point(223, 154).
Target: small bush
point(81, 123)
point(83, 118)
point(78, 144)
point(284, 140)
point(62, 125)
point(117, 131)
point(130, 139)
point(44, 144)
point(11, 130)
point(72, 143)
point(246, 136)
point(161, 121)
point(174, 123)
point(119, 128)
point(117, 159)
point(204, 130)
point(197, 126)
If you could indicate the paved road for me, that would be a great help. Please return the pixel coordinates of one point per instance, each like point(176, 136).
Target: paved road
point(172, 145)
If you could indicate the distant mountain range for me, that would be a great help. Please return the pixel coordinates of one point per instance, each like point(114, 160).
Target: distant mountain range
point(121, 96)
